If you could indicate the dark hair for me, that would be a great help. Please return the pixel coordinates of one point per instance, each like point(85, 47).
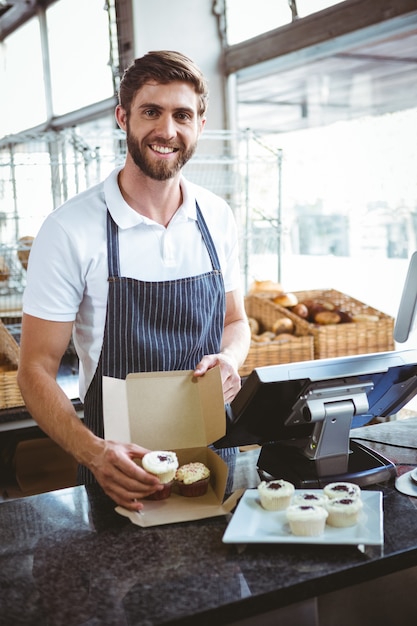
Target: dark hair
point(163, 66)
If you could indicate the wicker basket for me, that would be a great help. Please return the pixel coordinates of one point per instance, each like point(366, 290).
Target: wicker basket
point(9, 350)
point(335, 340)
point(299, 348)
point(10, 395)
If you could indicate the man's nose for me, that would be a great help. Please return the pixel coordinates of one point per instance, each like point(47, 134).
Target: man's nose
point(166, 126)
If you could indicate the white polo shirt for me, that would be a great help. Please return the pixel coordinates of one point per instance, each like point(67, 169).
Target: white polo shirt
point(67, 272)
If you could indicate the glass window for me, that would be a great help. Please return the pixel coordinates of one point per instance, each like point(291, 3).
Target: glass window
point(246, 19)
point(79, 50)
point(22, 102)
point(349, 208)
point(307, 7)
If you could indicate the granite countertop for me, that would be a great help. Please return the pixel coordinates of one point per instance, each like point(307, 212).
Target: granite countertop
point(66, 557)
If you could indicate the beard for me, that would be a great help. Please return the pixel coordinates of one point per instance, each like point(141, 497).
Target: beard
point(158, 170)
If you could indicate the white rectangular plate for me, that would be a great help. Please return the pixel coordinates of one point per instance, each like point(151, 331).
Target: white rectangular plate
point(253, 524)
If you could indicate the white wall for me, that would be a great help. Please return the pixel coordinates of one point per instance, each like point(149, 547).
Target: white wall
point(190, 27)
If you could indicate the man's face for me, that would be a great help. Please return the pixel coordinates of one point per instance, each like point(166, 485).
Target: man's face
point(162, 128)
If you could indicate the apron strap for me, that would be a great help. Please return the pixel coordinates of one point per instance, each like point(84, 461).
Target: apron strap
point(211, 248)
point(113, 261)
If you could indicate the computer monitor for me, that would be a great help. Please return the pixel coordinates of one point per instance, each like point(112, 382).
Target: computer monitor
point(302, 415)
point(406, 320)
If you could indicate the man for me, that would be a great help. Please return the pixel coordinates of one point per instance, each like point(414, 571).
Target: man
point(142, 269)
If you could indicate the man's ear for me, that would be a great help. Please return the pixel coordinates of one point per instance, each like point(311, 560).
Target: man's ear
point(202, 124)
point(120, 115)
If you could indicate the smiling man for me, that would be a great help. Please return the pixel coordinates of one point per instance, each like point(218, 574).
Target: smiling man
point(142, 269)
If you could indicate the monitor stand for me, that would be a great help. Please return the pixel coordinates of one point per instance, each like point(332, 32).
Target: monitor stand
point(328, 455)
point(364, 467)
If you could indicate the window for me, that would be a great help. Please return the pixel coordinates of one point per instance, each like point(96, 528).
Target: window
point(246, 18)
point(22, 103)
point(79, 53)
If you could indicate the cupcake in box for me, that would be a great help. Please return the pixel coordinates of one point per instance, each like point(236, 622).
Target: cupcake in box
point(192, 479)
point(163, 464)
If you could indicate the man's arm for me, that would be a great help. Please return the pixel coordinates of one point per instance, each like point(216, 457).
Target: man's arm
point(234, 348)
point(42, 346)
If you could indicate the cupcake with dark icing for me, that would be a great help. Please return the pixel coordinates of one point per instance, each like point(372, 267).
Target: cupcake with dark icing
point(275, 495)
point(306, 520)
point(315, 497)
point(342, 489)
point(344, 511)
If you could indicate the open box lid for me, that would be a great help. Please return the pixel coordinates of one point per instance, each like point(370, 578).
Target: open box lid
point(165, 410)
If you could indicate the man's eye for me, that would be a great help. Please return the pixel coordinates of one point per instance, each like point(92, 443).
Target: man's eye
point(150, 113)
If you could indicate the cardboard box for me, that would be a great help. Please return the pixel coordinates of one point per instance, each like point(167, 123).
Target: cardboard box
point(172, 411)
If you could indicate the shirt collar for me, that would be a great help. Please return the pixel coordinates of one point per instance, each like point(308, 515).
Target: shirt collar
point(126, 217)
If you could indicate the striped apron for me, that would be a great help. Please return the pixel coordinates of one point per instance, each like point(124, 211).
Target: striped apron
point(154, 326)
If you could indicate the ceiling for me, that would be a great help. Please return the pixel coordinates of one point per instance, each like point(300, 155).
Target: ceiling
point(354, 59)
point(298, 76)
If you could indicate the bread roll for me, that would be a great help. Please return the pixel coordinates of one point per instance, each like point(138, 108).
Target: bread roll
point(362, 317)
point(327, 317)
point(286, 299)
point(264, 337)
point(283, 325)
point(253, 325)
point(265, 286)
point(283, 337)
point(317, 306)
point(301, 310)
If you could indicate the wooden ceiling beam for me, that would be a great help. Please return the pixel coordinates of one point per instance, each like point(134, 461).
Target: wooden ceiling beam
point(318, 28)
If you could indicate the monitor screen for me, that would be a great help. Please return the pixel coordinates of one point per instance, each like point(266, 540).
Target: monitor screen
point(261, 411)
point(405, 322)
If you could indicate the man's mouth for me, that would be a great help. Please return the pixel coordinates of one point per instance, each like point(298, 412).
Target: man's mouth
point(163, 149)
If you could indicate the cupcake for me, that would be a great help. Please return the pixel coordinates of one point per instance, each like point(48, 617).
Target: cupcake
point(192, 479)
point(275, 495)
point(162, 464)
point(343, 511)
point(306, 520)
point(310, 497)
point(341, 489)
point(161, 494)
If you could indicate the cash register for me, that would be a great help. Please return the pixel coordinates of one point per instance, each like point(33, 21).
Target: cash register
point(303, 415)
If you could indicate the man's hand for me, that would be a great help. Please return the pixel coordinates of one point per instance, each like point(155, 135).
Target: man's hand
point(122, 479)
point(231, 381)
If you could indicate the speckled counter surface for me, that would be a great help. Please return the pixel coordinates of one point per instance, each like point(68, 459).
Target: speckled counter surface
point(67, 558)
